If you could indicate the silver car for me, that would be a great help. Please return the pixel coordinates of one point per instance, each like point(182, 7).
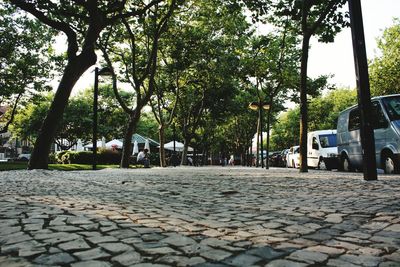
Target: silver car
point(386, 123)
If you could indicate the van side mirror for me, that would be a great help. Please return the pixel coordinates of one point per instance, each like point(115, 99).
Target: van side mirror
point(315, 146)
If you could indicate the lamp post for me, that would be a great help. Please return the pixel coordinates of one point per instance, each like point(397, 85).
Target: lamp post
point(260, 106)
point(363, 90)
point(97, 72)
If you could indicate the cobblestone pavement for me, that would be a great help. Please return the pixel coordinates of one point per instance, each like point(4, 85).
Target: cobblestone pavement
point(208, 216)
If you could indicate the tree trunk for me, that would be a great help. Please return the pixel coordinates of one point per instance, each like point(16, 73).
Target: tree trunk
point(161, 135)
point(258, 139)
point(72, 72)
point(268, 126)
point(303, 104)
point(130, 129)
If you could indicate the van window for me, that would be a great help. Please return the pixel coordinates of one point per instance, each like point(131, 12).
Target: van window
point(315, 144)
point(328, 140)
point(392, 106)
point(354, 119)
point(378, 118)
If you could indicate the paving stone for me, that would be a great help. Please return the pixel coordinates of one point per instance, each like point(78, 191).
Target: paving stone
point(310, 257)
point(52, 259)
point(242, 260)
point(340, 263)
point(28, 252)
point(92, 254)
point(266, 253)
point(178, 240)
point(334, 218)
point(15, 238)
point(26, 245)
point(361, 260)
point(215, 254)
point(9, 230)
point(78, 244)
point(393, 228)
point(149, 265)
point(115, 247)
point(65, 228)
point(389, 264)
point(102, 239)
point(123, 234)
point(181, 261)
point(13, 262)
point(327, 250)
point(127, 258)
point(78, 221)
point(91, 264)
point(285, 263)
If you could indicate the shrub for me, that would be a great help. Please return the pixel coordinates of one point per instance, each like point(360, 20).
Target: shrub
point(86, 157)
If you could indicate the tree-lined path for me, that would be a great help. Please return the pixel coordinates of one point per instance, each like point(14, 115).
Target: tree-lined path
point(210, 216)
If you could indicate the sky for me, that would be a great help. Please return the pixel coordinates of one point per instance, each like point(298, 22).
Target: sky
point(333, 58)
point(337, 58)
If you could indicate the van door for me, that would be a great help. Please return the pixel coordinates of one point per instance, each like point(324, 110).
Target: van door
point(313, 154)
point(354, 146)
point(381, 128)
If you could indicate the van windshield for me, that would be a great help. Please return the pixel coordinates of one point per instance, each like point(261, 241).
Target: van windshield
point(392, 107)
point(327, 140)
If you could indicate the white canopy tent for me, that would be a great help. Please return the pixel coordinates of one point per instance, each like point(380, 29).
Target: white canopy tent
point(135, 148)
point(79, 145)
point(178, 146)
point(115, 143)
point(91, 145)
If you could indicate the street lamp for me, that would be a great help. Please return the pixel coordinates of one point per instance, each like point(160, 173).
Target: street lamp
point(106, 71)
point(260, 106)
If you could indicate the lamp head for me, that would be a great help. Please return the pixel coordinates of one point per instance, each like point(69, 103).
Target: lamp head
point(106, 71)
point(254, 105)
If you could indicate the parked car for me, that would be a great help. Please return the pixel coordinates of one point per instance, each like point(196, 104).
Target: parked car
point(274, 158)
point(386, 124)
point(322, 149)
point(293, 157)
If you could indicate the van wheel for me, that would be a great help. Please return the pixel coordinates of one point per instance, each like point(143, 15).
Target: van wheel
point(389, 164)
point(321, 164)
point(345, 164)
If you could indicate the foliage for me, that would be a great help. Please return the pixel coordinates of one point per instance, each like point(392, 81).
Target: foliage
point(76, 122)
point(385, 69)
point(26, 59)
point(25, 47)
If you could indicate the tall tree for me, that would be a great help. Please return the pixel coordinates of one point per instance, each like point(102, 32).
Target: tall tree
point(138, 62)
point(323, 19)
point(81, 22)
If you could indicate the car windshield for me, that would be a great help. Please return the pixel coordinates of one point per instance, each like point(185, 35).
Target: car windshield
point(327, 140)
point(392, 107)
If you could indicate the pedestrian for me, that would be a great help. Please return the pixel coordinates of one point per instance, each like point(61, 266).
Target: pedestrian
point(143, 158)
point(232, 161)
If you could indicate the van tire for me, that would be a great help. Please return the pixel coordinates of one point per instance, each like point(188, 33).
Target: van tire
point(345, 164)
point(389, 164)
point(322, 165)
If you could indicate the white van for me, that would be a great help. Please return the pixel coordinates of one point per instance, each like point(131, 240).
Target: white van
point(322, 149)
point(386, 124)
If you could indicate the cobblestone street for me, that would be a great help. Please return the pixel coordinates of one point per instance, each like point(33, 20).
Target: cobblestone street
point(206, 216)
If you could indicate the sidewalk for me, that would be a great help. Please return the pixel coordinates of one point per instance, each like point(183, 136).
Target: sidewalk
point(198, 216)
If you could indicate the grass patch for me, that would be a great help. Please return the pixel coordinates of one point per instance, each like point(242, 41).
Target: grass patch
point(7, 166)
